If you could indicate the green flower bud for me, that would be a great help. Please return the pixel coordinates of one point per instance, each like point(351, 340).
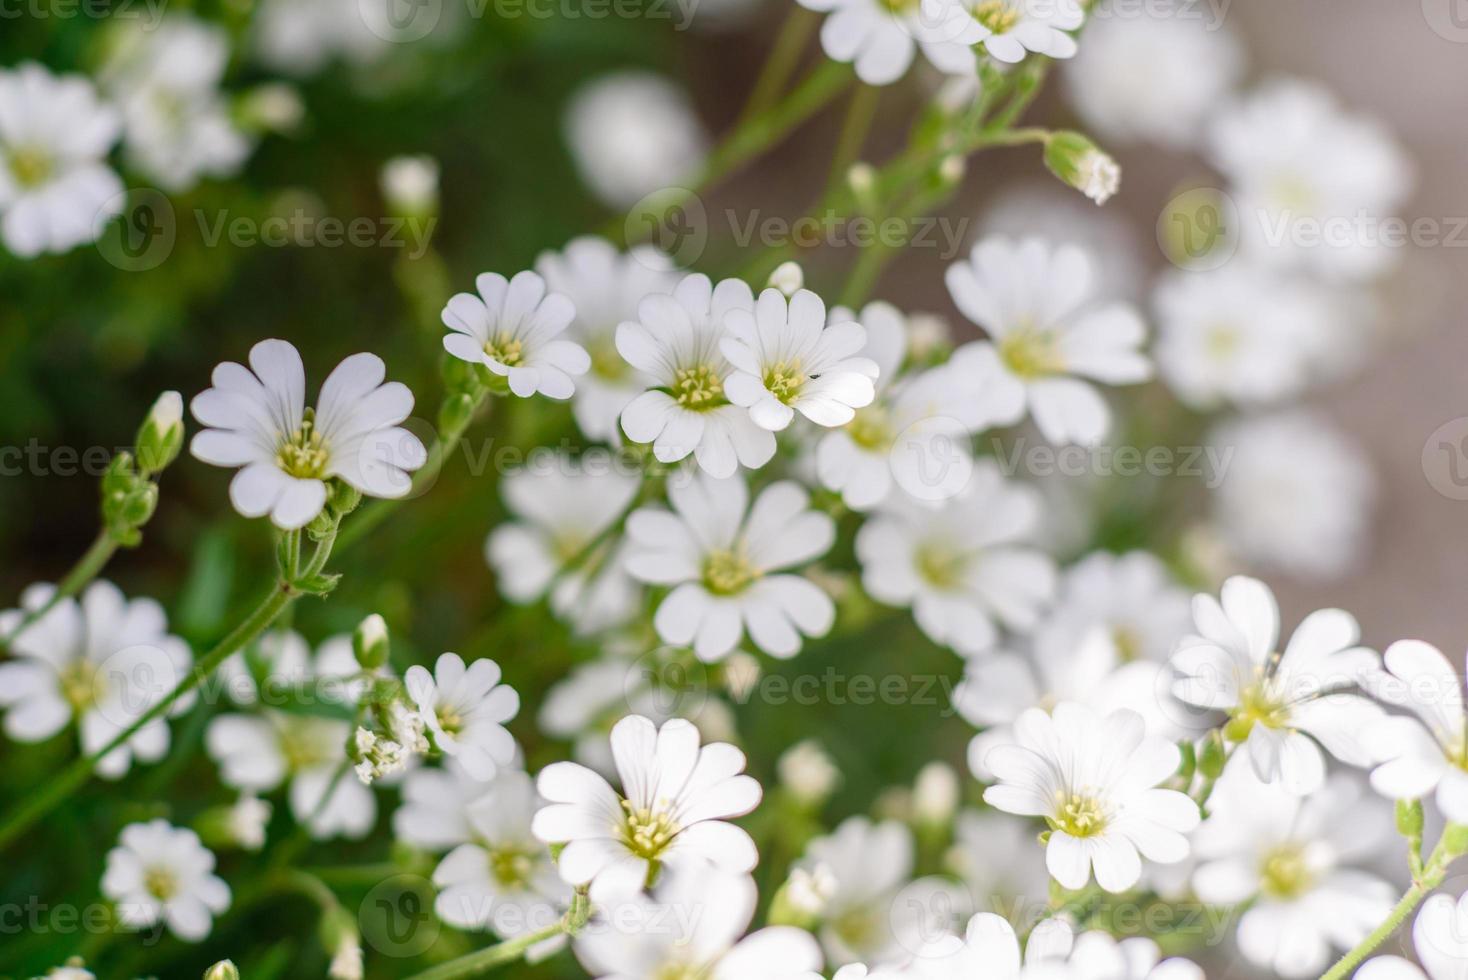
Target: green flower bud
point(223, 970)
point(1409, 818)
point(370, 643)
point(1073, 158)
point(343, 498)
point(1455, 839)
point(1212, 756)
point(161, 436)
point(138, 506)
point(456, 412)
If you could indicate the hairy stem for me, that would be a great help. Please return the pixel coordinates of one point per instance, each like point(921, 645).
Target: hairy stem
point(1431, 877)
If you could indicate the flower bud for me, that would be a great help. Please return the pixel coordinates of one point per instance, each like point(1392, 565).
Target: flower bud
point(788, 278)
point(161, 436)
point(410, 184)
point(1211, 756)
point(273, 107)
point(862, 179)
point(807, 773)
point(802, 900)
point(952, 169)
point(370, 643)
point(1455, 839)
point(935, 794)
point(1409, 818)
point(138, 506)
point(223, 970)
point(1073, 158)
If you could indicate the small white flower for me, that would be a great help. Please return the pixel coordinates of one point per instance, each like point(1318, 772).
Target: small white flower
point(257, 420)
point(723, 558)
point(502, 878)
point(690, 927)
point(1280, 705)
point(434, 814)
point(1031, 298)
point(466, 709)
point(990, 949)
point(513, 328)
point(248, 819)
point(1429, 754)
point(606, 286)
point(673, 810)
point(1290, 859)
point(1295, 494)
point(788, 278)
point(879, 38)
point(177, 126)
point(962, 565)
point(1011, 29)
point(102, 662)
point(56, 190)
point(787, 358)
point(807, 772)
point(1132, 597)
point(1440, 937)
point(159, 872)
point(299, 37)
point(632, 133)
point(410, 184)
point(994, 854)
point(562, 509)
point(1093, 778)
point(867, 864)
point(675, 342)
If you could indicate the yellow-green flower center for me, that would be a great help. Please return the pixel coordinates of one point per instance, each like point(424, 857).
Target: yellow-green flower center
point(304, 743)
point(78, 681)
point(605, 361)
point(1128, 643)
point(1285, 874)
point(1260, 703)
point(996, 15)
point(1080, 815)
point(1222, 342)
point(784, 380)
point(901, 7)
point(940, 566)
point(304, 454)
point(511, 866)
point(698, 388)
point(1030, 353)
point(871, 428)
point(727, 572)
point(506, 348)
point(648, 832)
point(161, 883)
point(31, 167)
point(856, 927)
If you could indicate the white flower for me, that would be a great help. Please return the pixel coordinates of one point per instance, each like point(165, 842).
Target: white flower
point(673, 809)
point(990, 949)
point(787, 358)
point(916, 430)
point(177, 127)
point(807, 772)
point(410, 184)
point(880, 38)
point(866, 865)
point(434, 814)
point(1239, 334)
point(159, 872)
point(1011, 29)
point(502, 879)
point(56, 190)
point(563, 508)
point(605, 286)
point(1030, 299)
point(248, 819)
point(1295, 494)
point(513, 328)
point(962, 565)
point(1094, 780)
point(257, 420)
point(723, 558)
point(1279, 704)
point(994, 854)
point(1297, 164)
point(1132, 596)
point(632, 133)
point(299, 37)
point(1440, 937)
point(1415, 759)
point(690, 927)
point(1099, 956)
point(102, 662)
point(466, 709)
point(675, 344)
point(1154, 77)
point(1289, 858)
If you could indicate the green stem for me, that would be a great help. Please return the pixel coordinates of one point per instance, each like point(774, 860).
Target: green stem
point(782, 60)
point(88, 567)
point(74, 776)
point(1431, 877)
point(483, 960)
point(860, 112)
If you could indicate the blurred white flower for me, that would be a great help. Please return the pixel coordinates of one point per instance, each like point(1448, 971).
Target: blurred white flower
point(632, 133)
point(466, 709)
point(962, 565)
point(161, 873)
point(672, 812)
point(410, 184)
point(787, 358)
point(605, 286)
point(1155, 77)
point(1440, 938)
point(1093, 778)
point(1031, 208)
point(723, 559)
point(994, 854)
point(247, 821)
point(1030, 299)
point(1313, 184)
point(1295, 495)
point(675, 343)
point(1132, 596)
point(101, 661)
point(879, 38)
point(513, 327)
point(299, 37)
point(1415, 757)
point(1280, 705)
point(434, 814)
point(703, 913)
point(562, 508)
point(176, 124)
point(807, 772)
point(1289, 858)
point(257, 420)
point(866, 865)
point(56, 190)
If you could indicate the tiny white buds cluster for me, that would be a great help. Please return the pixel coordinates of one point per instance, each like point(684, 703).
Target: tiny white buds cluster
point(807, 773)
point(788, 278)
point(410, 184)
point(407, 728)
point(1075, 159)
point(377, 756)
